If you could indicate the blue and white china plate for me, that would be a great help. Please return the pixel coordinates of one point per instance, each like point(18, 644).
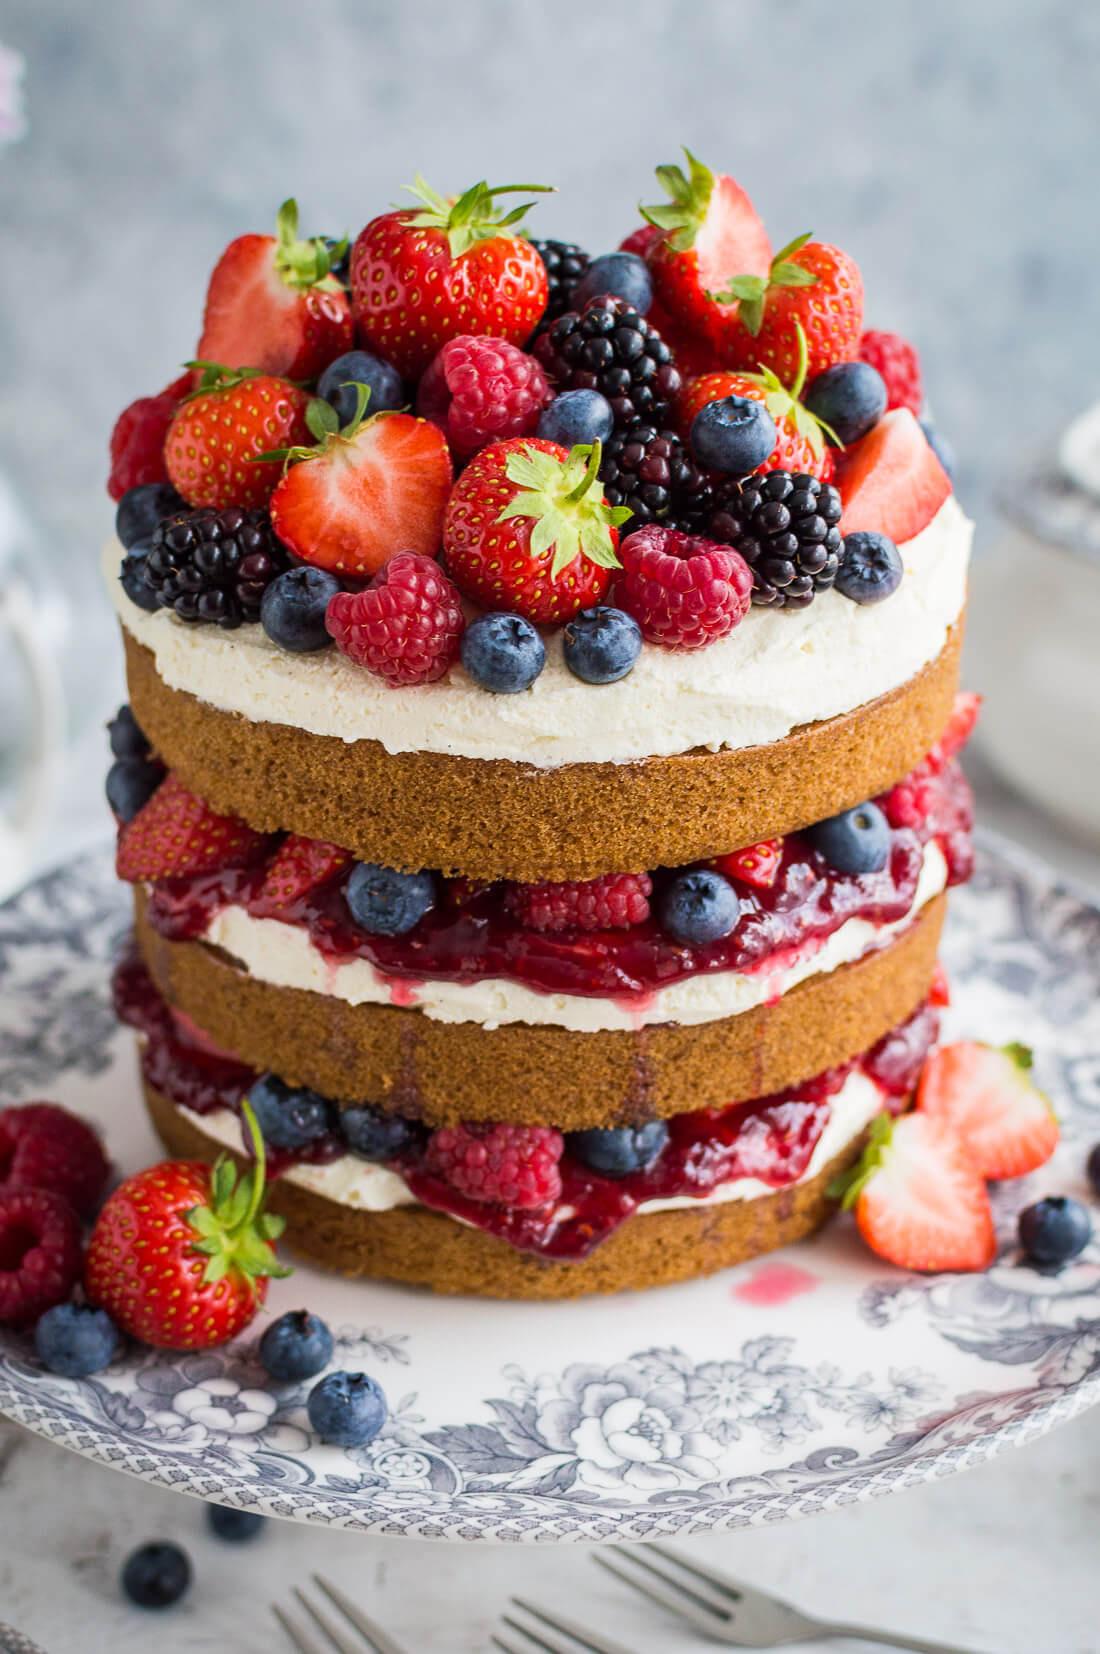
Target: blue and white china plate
point(775, 1390)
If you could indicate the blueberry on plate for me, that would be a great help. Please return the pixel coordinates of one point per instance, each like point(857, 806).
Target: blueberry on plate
point(140, 510)
point(131, 783)
point(870, 567)
point(298, 1345)
point(75, 1340)
point(699, 907)
point(503, 653)
point(385, 902)
point(348, 1409)
point(623, 275)
point(1054, 1230)
point(127, 738)
point(849, 397)
point(618, 1151)
point(234, 1526)
point(373, 1135)
point(600, 645)
point(131, 577)
point(289, 1117)
point(156, 1575)
point(577, 416)
point(855, 841)
point(734, 434)
point(358, 367)
point(292, 609)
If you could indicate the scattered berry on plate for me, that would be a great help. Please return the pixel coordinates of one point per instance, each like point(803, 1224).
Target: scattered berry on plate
point(131, 783)
point(528, 530)
point(919, 1201)
point(294, 606)
point(649, 471)
point(289, 1117)
point(217, 436)
point(899, 365)
point(891, 481)
point(620, 275)
point(43, 1146)
point(40, 1253)
point(870, 568)
point(156, 1575)
point(503, 653)
point(800, 444)
point(501, 1165)
point(565, 265)
point(940, 446)
point(698, 907)
point(735, 434)
point(234, 1526)
point(610, 347)
point(385, 902)
point(619, 1151)
point(347, 1409)
point(808, 308)
point(406, 626)
point(298, 867)
point(177, 833)
point(274, 304)
point(986, 1092)
point(131, 577)
point(853, 841)
point(375, 1135)
point(1054, 1230)
point(141, 509)
point(601, 645)
point(849, 399)
point(613, 901)
point(574, 417)
point(359, 367)
point(137, 441)
point(214, 566)
point(480, 390)
point(74, 1340)
point(482, 276)
point(127, 738)
point(684, 592)
point(298, 1345)
point(756, 865)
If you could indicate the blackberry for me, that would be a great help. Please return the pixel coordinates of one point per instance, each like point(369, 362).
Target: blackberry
point(610, 347)
point(565, 265)
point(212, 565)
point(650, 471)
point(785, 527)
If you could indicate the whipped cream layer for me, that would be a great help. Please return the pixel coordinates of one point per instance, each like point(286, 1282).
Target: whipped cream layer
point(774, 672)
point(285, 956)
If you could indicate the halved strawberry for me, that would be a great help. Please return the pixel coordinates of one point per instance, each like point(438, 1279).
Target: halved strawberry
point(299, 865)
point(891, 481)
point(986, 1093)
point(756, 865)
point(801, 443)
point(274, 304)
point(919, 1201)
point(177, 833)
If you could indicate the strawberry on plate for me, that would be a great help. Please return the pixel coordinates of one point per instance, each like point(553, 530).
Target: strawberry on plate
point(137, 441)
point(987, 1094)
point(811, 286)
point(425, 274)
point(919, 1201)
point(299, 866)
point(176, 833)
point(366, 490)
point(274, 304)
point(223, 427)
point(891, 481)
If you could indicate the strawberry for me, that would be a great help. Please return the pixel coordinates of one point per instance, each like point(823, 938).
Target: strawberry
point(891, 481)
point(801, 443)
point(423, 275)
point(366, 490)
point(176, 834)
point(957, 731)
point(810, 286)
point(986, 1093)
point(137, 441)
point(939, 990)
point(274, 304)
point(528, 529)
point(225, 425)
point(919, 1201)
point(756, 865)
point(297, 867)
point(181, 1254)
point(641, 241)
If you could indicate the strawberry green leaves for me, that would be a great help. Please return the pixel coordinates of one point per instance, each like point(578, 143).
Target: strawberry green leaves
point(234, 1232)
point(473, 216)
point(305, 264)
point(689, 197)
point(751, 292)
point(565, 499)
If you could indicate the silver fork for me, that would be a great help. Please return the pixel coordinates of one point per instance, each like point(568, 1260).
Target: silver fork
point(551, 1634)
point(739, 1615)
point(374, 1638)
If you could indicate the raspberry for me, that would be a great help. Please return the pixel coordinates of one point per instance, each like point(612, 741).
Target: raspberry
point(615, 901)
point(478, 390)
point(641, 241)
point(899, 364)
point(500, 1165)
point(909, 803)
point(405, 627)
point(43, 1146)
point(683, 591)
point(40, 1254)
point(137, 441)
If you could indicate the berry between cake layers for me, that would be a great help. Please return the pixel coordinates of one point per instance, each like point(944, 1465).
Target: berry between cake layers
point(541, 788)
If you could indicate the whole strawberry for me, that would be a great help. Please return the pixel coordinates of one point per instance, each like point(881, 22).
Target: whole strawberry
point(812, 288)
point(43, 1146)
point(425, 274)
point(177, 834)
point(406, 627)
point(528, 530)
point(181, 1254)
point(137, 441)
point(223, 428)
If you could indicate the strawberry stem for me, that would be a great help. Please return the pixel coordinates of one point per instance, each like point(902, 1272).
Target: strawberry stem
point(591, 472)
point(472, 216)
point(304, 264)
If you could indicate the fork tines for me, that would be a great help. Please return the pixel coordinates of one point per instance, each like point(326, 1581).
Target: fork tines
point(676, 1585)
point(371, 1638)
point(550, 1634)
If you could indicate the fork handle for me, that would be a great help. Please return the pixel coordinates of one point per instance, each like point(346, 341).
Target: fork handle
point(894, 1639)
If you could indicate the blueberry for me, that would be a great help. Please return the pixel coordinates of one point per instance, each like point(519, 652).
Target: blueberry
point(618, 1151)
point(340, 265)
point(601, 645)
point(348, 1409)
point(296, 1346)
point(374, 1135)
point(141, 509)
point(358, 367)
point(75, 1340)
point(700, 906)
point(131, 783)
point(386, 902)
point(127, 738)
point(131, 576)
point(734, 434)
point(1054, 1230)
point(292, 609)
point(855, 841)
point(502, 653)
point(156, 1575)
point(234, 1525)
point(1093, 1169)
point(577, 416)
point(870, 567)
point(624, 275)
point(289, 1117)
point(940, 447)
point(850, 398)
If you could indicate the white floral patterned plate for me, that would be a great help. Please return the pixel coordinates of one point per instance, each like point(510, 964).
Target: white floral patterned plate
point(775, 1390)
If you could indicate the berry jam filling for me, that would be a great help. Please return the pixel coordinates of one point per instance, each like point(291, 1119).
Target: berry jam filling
point(771, 1139)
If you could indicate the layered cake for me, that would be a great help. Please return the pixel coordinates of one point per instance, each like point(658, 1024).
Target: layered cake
point(539, 785)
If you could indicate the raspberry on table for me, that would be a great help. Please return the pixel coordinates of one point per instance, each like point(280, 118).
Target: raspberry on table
point(480, 390)
point(684, 591)
point(897, 361)
point(43, 1146)
point(406, 627)
point(502, 1165)
point(614, 901)
point(40, 1254)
